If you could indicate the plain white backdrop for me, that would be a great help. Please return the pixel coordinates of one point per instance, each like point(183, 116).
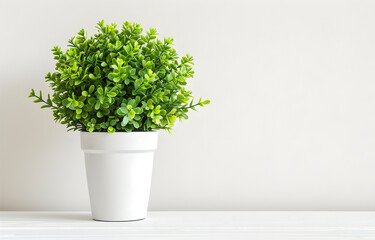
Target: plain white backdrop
point(290, 127)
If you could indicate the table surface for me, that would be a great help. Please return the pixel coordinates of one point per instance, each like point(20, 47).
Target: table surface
point(191, 225)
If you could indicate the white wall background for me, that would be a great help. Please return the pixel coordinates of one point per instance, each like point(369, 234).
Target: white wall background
point(292, 120)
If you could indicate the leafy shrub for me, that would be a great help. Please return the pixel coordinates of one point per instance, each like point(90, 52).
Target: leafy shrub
point(119, 81)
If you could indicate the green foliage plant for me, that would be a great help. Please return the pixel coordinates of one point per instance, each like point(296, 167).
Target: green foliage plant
point(118, 81)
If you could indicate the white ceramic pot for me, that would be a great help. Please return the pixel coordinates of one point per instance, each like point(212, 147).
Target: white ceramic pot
point(119, 170)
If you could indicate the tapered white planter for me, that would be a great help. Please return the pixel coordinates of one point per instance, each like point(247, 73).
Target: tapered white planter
point(119, 170)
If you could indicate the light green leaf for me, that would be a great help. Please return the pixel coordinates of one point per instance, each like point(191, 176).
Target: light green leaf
point(135, 124)
point(173, 111)
point(111, 129)
point(97, 105)
point(127, 49)
point(112, 94)
point(125, 121)
point(124, 110)
point(131, 113)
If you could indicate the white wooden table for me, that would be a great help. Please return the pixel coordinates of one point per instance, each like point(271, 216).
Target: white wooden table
point(191, 225)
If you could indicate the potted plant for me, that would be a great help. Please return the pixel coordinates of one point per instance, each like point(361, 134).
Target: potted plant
point(117, 88)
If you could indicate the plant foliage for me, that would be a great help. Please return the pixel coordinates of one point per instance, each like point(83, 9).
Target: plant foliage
point(119, 81)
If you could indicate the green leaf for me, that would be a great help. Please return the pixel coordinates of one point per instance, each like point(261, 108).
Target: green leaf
point(137, 117)
point(163, 112)
point(173, 111)
point(169, 77)
point(157, 109)
point(148, 123)
point(82, 32)
point(99, 114)
point(97, 71)
point(113, 122)
point(124, 110)
point(111, 129)
point(127, 49)
point(100, 90)
point(81, 98)
point(32, 93)
point(172, 118)
point(105, 111)
point(92, 101)
point(125, 121)
point(97, 106)
point(91, 89)
point(85, 93)
point(112, 94)
point(77, 82)
point(111, 76)
point(128, 128)
point(180, 96)
point(49, 101)
point(138, 110)
point(131, 113)
point(135, 124)
point(118, 45)
point(132, 72)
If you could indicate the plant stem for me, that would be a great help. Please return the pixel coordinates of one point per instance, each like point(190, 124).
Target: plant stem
point(189, 106)
point(41, 99)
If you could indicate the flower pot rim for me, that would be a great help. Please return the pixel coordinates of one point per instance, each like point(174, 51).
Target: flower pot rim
point(119, 141)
